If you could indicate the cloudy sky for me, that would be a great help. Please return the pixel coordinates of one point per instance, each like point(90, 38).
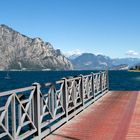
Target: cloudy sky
point(109, 27)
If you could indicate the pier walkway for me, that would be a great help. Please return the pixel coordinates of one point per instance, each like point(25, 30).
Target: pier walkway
point(73, 108)
point(115, 116)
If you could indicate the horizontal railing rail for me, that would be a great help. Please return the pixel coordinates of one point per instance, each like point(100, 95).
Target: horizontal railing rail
point(33, 112)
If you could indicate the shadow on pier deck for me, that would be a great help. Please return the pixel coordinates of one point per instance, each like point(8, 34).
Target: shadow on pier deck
point(116, 116)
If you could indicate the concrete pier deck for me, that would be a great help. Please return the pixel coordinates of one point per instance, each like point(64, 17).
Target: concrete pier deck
point(115, 116)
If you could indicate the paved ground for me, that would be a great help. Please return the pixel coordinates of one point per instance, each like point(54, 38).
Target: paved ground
point(116, 116)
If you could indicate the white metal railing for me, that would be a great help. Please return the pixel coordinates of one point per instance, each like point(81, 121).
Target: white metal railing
point(33, 113)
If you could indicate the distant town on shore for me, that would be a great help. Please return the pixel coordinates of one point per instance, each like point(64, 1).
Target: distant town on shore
point(135, 68)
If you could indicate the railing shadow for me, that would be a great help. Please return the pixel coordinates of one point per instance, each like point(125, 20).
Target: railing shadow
point(63, 136)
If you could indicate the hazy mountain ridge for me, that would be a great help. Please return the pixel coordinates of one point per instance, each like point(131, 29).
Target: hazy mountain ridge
point(129, 61)
point(20, 52)
point(91, 61)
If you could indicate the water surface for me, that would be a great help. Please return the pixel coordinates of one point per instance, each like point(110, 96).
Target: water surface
point(118, 80)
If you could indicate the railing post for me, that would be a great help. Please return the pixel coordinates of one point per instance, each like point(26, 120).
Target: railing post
point(65, 97)
point(52, 99)
point(101, 83)
point(107, 79)
point(74, 94)
point(82, 90)
point(36, 107)
point(13, 109)
point(93, 84)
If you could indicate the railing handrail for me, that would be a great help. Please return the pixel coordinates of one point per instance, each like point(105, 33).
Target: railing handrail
point(16, 90)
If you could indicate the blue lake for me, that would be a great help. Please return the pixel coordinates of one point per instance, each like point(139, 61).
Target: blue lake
point(118, 80)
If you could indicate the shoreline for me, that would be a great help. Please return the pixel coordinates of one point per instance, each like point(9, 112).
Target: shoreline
point(134, 70)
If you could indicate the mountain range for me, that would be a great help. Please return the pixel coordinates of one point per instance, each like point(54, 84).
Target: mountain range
point(89, 61)
point(20, 52)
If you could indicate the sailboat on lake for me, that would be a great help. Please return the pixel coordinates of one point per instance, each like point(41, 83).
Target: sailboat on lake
point(7, 76)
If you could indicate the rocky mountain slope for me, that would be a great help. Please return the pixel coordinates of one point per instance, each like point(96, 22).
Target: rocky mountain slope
point(20, 52)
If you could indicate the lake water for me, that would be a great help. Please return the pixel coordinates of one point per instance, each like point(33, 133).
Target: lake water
point(118, 80)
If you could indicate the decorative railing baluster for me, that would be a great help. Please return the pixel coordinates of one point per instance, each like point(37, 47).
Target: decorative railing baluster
point(52, 100)
point(93, 92)
point(13, 109)
point(36, 108)
point(65, 98)
point(82, 90)
point(101, 82)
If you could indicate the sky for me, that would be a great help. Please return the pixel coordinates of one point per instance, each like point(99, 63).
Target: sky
point(108, 27)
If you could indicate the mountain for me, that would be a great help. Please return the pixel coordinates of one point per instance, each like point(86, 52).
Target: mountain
point(129, 61)
point(74, 56)
point(20, 52)
point(89, 61)
point(120, 67)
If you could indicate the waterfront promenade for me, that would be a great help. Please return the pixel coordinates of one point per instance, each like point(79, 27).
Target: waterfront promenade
point(36, 111)
point(115, 116)
point(76, 108)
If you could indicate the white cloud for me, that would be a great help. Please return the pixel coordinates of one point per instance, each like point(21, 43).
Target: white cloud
point(73, 52)
point(132, 53)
